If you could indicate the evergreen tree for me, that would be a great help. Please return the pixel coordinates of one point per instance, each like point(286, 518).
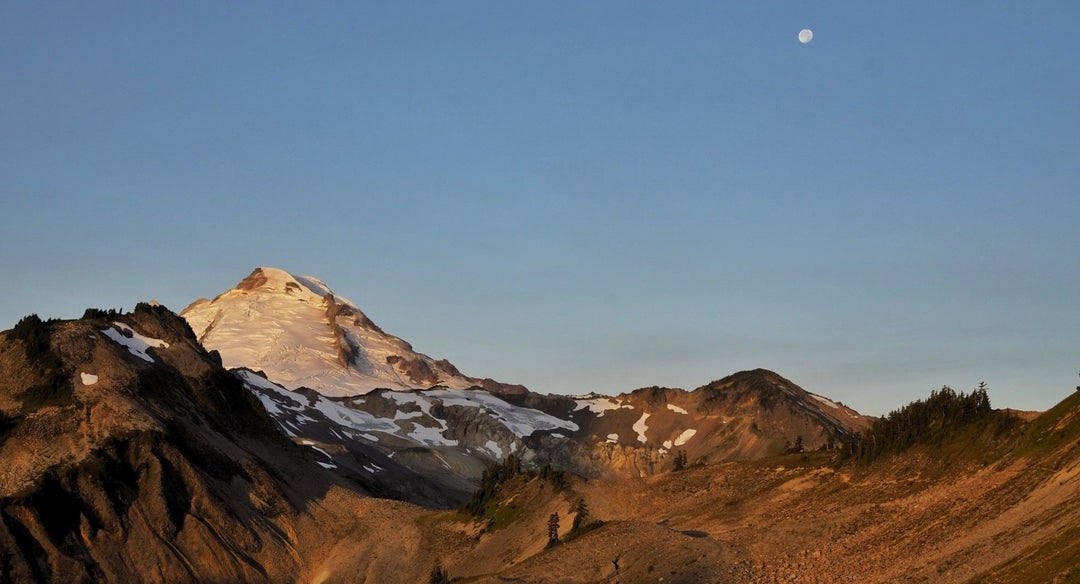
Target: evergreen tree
point(553, 529)
point(680, 461)
point(581, 516)
point(34, 333)
point(557, 478)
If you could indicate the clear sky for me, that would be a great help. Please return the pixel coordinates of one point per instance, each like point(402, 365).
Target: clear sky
point(576, 196)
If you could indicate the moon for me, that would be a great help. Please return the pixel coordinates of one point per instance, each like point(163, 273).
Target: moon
point(806, 35)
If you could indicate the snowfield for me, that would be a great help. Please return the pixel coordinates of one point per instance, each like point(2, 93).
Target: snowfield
point(292, 411)
point(289, 410)
point(281, 324)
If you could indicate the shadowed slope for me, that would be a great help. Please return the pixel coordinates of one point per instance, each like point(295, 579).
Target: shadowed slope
point(131, 455)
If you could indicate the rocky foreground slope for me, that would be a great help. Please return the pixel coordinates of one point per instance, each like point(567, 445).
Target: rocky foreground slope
point(128, 454)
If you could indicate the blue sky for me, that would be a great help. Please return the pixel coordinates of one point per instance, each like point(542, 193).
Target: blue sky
point(574, 196)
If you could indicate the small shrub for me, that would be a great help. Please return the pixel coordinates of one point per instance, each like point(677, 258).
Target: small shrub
point(6, 423)
point(796, 448)
point(439, 575)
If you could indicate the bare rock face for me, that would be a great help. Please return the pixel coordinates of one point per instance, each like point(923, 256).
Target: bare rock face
point(489, 384)
point(255, 280)
point(129, 455)
point(415, 370)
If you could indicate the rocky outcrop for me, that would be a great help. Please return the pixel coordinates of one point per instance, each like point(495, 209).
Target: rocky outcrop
point(130, 455)
point(417, 371)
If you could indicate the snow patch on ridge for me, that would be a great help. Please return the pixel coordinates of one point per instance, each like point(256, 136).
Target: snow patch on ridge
point(640, 427)
point(493, 447)
point(519, 420)
point(599, 405)
point(293, 410)
point(135, 343)
point(677, 409)
point(88, 379)
point(825, 401)
point(685, 437)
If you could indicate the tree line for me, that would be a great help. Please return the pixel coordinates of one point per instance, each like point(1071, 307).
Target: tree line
point(926, 421)
point(497, 474)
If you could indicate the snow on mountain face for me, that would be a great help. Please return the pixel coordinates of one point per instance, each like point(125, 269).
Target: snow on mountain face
point(442, 437)
point(419, 417)
point(300, 334)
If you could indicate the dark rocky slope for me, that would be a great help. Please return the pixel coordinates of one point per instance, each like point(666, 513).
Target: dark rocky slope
point(152, 467)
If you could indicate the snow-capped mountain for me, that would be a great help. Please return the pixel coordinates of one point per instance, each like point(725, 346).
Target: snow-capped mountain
point(300, 334)
point(411, 427)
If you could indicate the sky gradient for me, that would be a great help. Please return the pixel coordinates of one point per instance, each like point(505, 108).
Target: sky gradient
point(574, 196)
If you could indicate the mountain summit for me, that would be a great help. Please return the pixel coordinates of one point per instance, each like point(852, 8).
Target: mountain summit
point(298, 332)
